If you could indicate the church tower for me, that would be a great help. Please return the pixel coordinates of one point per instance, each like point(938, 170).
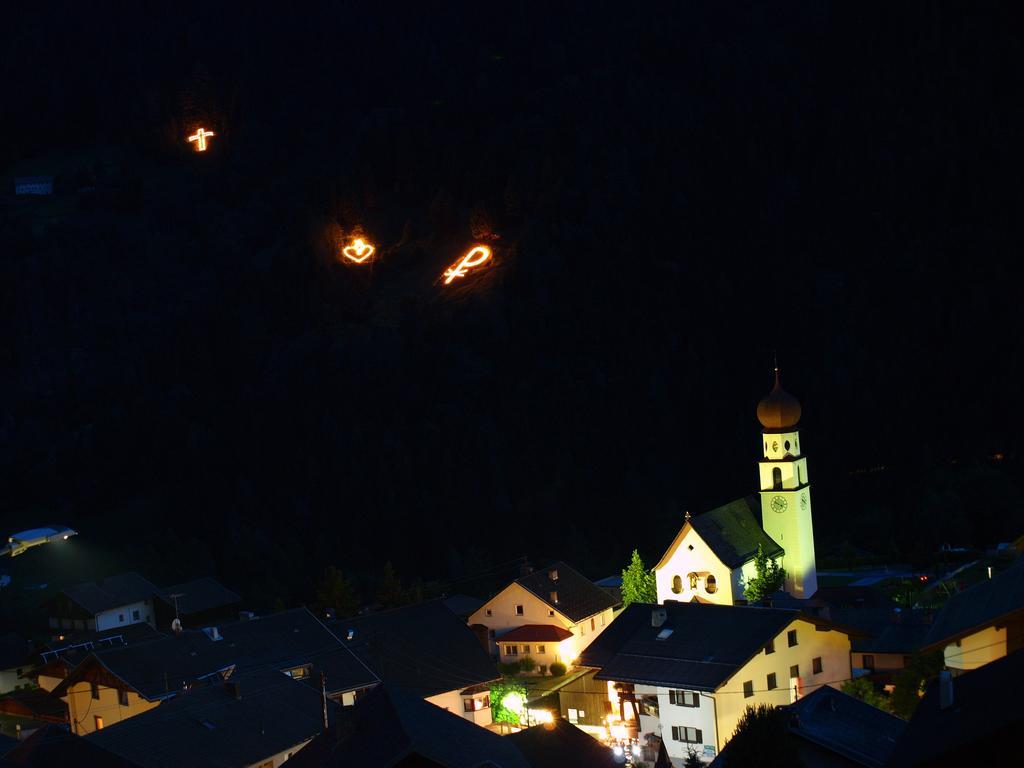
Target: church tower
point(786, 489)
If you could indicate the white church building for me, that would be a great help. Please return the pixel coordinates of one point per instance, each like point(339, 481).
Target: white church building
point(713, 553)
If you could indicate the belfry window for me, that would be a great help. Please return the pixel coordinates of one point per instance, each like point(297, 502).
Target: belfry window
point(777, 478)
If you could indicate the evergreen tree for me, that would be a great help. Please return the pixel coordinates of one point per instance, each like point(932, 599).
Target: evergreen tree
point(770, 576)
point(638, 584)
point(390, 593)
point(337, 592)
point(692, 759)
point(762, 738)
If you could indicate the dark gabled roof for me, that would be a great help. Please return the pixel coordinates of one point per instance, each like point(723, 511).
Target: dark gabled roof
point(979, 607)
point(54, 745)
point(387, 727)
point(14, 651)
point(982, 727)
point(199, 595)
point(562, 745)
point(846, 726)
point(281, 641)
point(424, 648)
point(463, 606)
point(885, 630)
point(111, 592)
point(578, 596)
point(545, 633)
point(209, 727)
point(707, 644)
point(34, 703)
point(733, 531)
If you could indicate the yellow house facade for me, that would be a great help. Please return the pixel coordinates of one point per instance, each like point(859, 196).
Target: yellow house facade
point(558, 597)
point(93, 706)
point(686, 672)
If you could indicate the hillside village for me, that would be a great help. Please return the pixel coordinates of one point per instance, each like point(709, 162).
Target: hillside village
point(733, 645)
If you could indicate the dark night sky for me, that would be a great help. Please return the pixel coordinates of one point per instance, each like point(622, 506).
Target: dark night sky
point(677, 190)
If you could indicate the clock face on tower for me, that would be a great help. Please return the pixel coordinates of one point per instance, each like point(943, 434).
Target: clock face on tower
point(779, 504)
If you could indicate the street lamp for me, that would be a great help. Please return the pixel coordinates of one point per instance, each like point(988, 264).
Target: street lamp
point(19, 543)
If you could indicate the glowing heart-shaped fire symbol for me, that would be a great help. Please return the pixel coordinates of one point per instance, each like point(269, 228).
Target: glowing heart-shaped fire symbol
point(359, 251)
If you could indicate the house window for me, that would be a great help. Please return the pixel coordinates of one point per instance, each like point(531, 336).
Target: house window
point(772, 684)
point(711, 585)
point(687, 735)
point(794, 671)
point(593, 625)
point(99, 722)
point(770, 647)
point(583, 628)
point(519, 610)
point(677, 584)
point(544, 670)
point(511, 650)
point(95, 690)
point(791, 636)
point(551, 613)
point(490, 612)
point(473, 705)
point(748, 689)
point(540, 650)
point(869, 661)
point(603, 619)
point(816, 665)
point(693, 580)
point(574, 716)
point(122, 697)
point(526, 650)
point(135, 615)
point(120, 618)
point(684, 698)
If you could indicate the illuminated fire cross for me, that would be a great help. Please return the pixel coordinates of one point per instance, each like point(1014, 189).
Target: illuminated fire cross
point(474, 258)
point(359, 251)
point(200, 137)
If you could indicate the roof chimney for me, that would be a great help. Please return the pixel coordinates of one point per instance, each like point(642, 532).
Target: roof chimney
point(233, 688)
point(553, 574)
point(658, 616)
point(945, 689)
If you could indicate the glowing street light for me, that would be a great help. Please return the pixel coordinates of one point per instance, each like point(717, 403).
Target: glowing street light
point(359, 251)
point(199, 137)
point(474, 258)
point(513, 702)
point(19, 543)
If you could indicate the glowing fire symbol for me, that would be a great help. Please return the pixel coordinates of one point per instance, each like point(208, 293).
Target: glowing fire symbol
point(200, 137)
point(359, 251)
point(474, 258)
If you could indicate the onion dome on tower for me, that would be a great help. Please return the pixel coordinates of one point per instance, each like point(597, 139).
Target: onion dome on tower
point(779, 410)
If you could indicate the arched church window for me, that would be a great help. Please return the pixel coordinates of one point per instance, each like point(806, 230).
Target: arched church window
point(677, 584)
point(710, 584)
point(693, 580)
point(776, 478)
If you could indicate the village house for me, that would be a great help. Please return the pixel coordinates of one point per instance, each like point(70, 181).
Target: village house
point(829, 729)
point(683, 673)
point(258, 719)
point(115, 684)
point(428, 651)
point(981, 624)
point(549, 615)
point(15, 653)
point(712, 556)
point(198, 603)
point(392, 727)
point(61, 655)
point(115, 601)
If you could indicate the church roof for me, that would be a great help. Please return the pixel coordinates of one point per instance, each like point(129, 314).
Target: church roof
point(733, 531)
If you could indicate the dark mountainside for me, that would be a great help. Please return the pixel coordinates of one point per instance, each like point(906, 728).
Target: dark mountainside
point(196, 383)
